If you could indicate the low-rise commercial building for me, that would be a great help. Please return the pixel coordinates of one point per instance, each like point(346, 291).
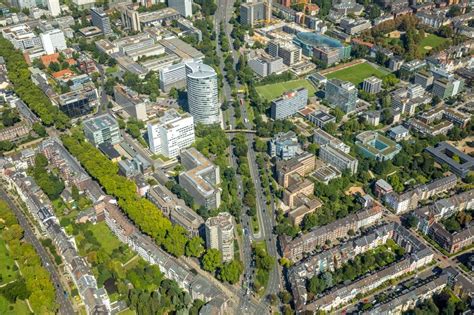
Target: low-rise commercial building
point(374, 145)
point(458, 162)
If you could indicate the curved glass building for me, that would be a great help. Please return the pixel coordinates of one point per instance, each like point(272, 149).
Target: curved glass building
point(308, 41)
point(203, 96)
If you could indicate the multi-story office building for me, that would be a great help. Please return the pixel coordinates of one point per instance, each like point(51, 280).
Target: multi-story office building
point(203, 97)
point(340, 160)
point(102, 129)
point(140, 45)
point(254, 12)
point(341, 94)
point(173, 76)
point(326, 55)
point(320, 118)
point(78, 103)
point(289, 104)
point(101, 20)
point(372, 85)
point(299, 165)
point(184, 7)
point(220, 234)
point(266, 65)
point(310, 40)
point(54, 7)
point(352, 26)
point(130, 101)
point(289, 52)
point(424, 78)
point(321, 137)
point(171, 133)
point(202, 178)
point(444, 88)
point(284, 145)
point(53, 41)
point(21, 37)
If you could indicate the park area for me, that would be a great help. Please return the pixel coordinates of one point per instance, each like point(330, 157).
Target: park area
point(357, 73)
point(273, 91)
point(431, 41)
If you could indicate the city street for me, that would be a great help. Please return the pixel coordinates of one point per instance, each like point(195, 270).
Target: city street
point(65, 306)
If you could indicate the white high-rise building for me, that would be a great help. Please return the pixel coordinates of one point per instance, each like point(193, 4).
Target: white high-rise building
point(184, 7)
point(54, 7)
point(203, 96)
point(171, 133)
point(53, 41)
point(220, 234)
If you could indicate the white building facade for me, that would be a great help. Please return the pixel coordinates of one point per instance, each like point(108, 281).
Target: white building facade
point(171, 133)
point(53, 41)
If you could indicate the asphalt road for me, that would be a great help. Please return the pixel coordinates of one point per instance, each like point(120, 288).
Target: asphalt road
point(65, 306)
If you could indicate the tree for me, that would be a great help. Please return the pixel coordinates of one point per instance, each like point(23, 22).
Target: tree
point(445, 31)
point(453, 11)
point(211, 260)
point(39, 129)
point(194, 247)
point(285, 297)
point(231, 271)
point(412, 221)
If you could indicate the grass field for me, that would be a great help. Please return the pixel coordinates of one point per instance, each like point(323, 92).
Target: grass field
point(432, 41)
point(18, 308)
point(105, 237)
point(7, 273)
point(356, 74)
point(272, 91)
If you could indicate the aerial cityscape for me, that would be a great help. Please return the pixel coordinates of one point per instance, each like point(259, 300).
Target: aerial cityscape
point(219, 157)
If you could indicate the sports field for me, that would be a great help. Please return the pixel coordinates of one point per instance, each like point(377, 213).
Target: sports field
point(356, 74)
point(431, 41)
point(272, 91)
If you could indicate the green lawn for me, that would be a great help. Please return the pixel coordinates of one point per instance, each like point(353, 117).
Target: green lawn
point(105, 237)
point(432, 41)
point(272, 91)
point(358, 73)
point(18, 308)
point(7, 273)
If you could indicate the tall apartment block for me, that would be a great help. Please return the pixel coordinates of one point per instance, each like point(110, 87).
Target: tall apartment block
point(102, 129)
point(341, 94)
point(202, 178)
point(171, 133)
point(220, 234)
point(203, 97)
point(101, 20)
